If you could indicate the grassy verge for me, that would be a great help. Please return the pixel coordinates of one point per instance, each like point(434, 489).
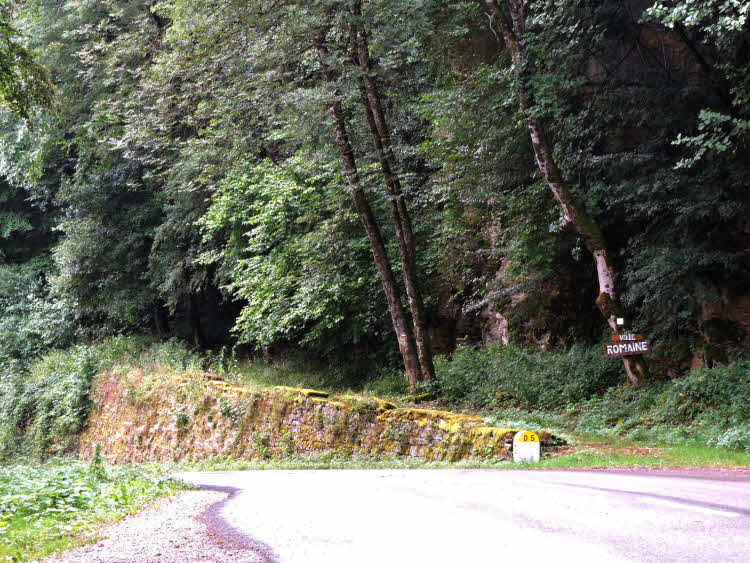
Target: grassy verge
point(59, 505)
point(583, 455)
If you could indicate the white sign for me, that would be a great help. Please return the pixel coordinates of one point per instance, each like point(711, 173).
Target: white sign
point(526, 447)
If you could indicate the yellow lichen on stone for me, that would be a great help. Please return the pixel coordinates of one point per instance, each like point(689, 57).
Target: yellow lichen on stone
point(417, 414)
point(337, 404)
point(313, 393)
point(135, 415)
point(364, 403)
point(283, 391)
point(489, 432)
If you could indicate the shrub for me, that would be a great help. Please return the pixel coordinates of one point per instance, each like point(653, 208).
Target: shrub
point(44, 409)
point(44, 406)
point(500, 374)
point(721, 393)
point(30, 321)
point(737, 438)
point(708, 405)
point(43, 506)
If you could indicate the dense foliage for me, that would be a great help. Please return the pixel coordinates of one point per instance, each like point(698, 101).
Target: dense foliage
point(576, 391)
point(174, 167)
point(506, 374)
point(42, 508)
point(44, 404)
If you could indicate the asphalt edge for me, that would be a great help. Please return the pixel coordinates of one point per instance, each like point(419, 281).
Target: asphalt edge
point(218, 527)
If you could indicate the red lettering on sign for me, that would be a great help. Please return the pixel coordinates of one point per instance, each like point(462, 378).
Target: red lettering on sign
point(626, 337)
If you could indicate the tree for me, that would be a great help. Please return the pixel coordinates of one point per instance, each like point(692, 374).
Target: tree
point(381, 136)
point(400, 324)
point(715, 31)
point(24, 83)
point(512, 27)
point(293, 254)
point(278, 70)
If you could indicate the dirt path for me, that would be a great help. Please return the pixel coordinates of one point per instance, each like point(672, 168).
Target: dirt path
point(183, 529)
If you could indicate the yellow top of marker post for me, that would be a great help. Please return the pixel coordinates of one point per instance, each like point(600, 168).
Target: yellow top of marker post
point(526, 436)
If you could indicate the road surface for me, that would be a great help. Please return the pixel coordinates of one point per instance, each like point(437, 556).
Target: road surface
point(439, 516)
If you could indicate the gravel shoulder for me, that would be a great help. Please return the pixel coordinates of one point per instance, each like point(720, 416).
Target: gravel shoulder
point(182, 529)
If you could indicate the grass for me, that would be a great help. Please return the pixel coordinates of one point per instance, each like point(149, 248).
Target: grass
point(582, 455)
point(60, 504)
point(262, 375)
point(701, 455)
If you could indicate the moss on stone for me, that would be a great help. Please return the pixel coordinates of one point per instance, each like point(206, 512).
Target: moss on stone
point(274, 422)
point(313, 393)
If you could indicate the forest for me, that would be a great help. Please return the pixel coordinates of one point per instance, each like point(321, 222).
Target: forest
point(457, 198)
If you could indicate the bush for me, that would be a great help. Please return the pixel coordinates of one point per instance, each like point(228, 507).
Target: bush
point(30, 321)
point(58, 391)
point(43, 506)
point(45, 406)
point(737, 438)
point(498, 374)
point(721, 393)
point(587, 391)
point(708, 405)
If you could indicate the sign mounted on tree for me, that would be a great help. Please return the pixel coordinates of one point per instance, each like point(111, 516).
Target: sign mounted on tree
point(626, 345)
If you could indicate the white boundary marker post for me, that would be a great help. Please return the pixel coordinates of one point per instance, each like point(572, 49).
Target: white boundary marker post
point(526, 447)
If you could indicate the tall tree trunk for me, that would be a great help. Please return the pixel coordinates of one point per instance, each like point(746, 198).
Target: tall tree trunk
point(367, 217)
point(404, 234)
point(192, 311)
point(574, 216)
point(161, 322)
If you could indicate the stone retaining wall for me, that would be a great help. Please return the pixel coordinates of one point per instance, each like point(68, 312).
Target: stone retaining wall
point(164, 416)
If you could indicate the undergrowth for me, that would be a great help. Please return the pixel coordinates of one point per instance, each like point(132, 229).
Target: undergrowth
point(44, 404)
point(576, 393)
point(49, 507)
point(497, 374)
point(579, 392)
point(299, 371)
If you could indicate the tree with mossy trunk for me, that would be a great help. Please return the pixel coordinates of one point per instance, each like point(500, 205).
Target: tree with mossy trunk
point(512, 27)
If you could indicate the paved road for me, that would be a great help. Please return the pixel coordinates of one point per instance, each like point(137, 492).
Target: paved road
point(440, 516)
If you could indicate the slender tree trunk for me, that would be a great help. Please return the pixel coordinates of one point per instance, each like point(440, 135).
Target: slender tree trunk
point(367, 217)
point(574, 217)
point(161, 323)
point(404, 234)
point(192, 311)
